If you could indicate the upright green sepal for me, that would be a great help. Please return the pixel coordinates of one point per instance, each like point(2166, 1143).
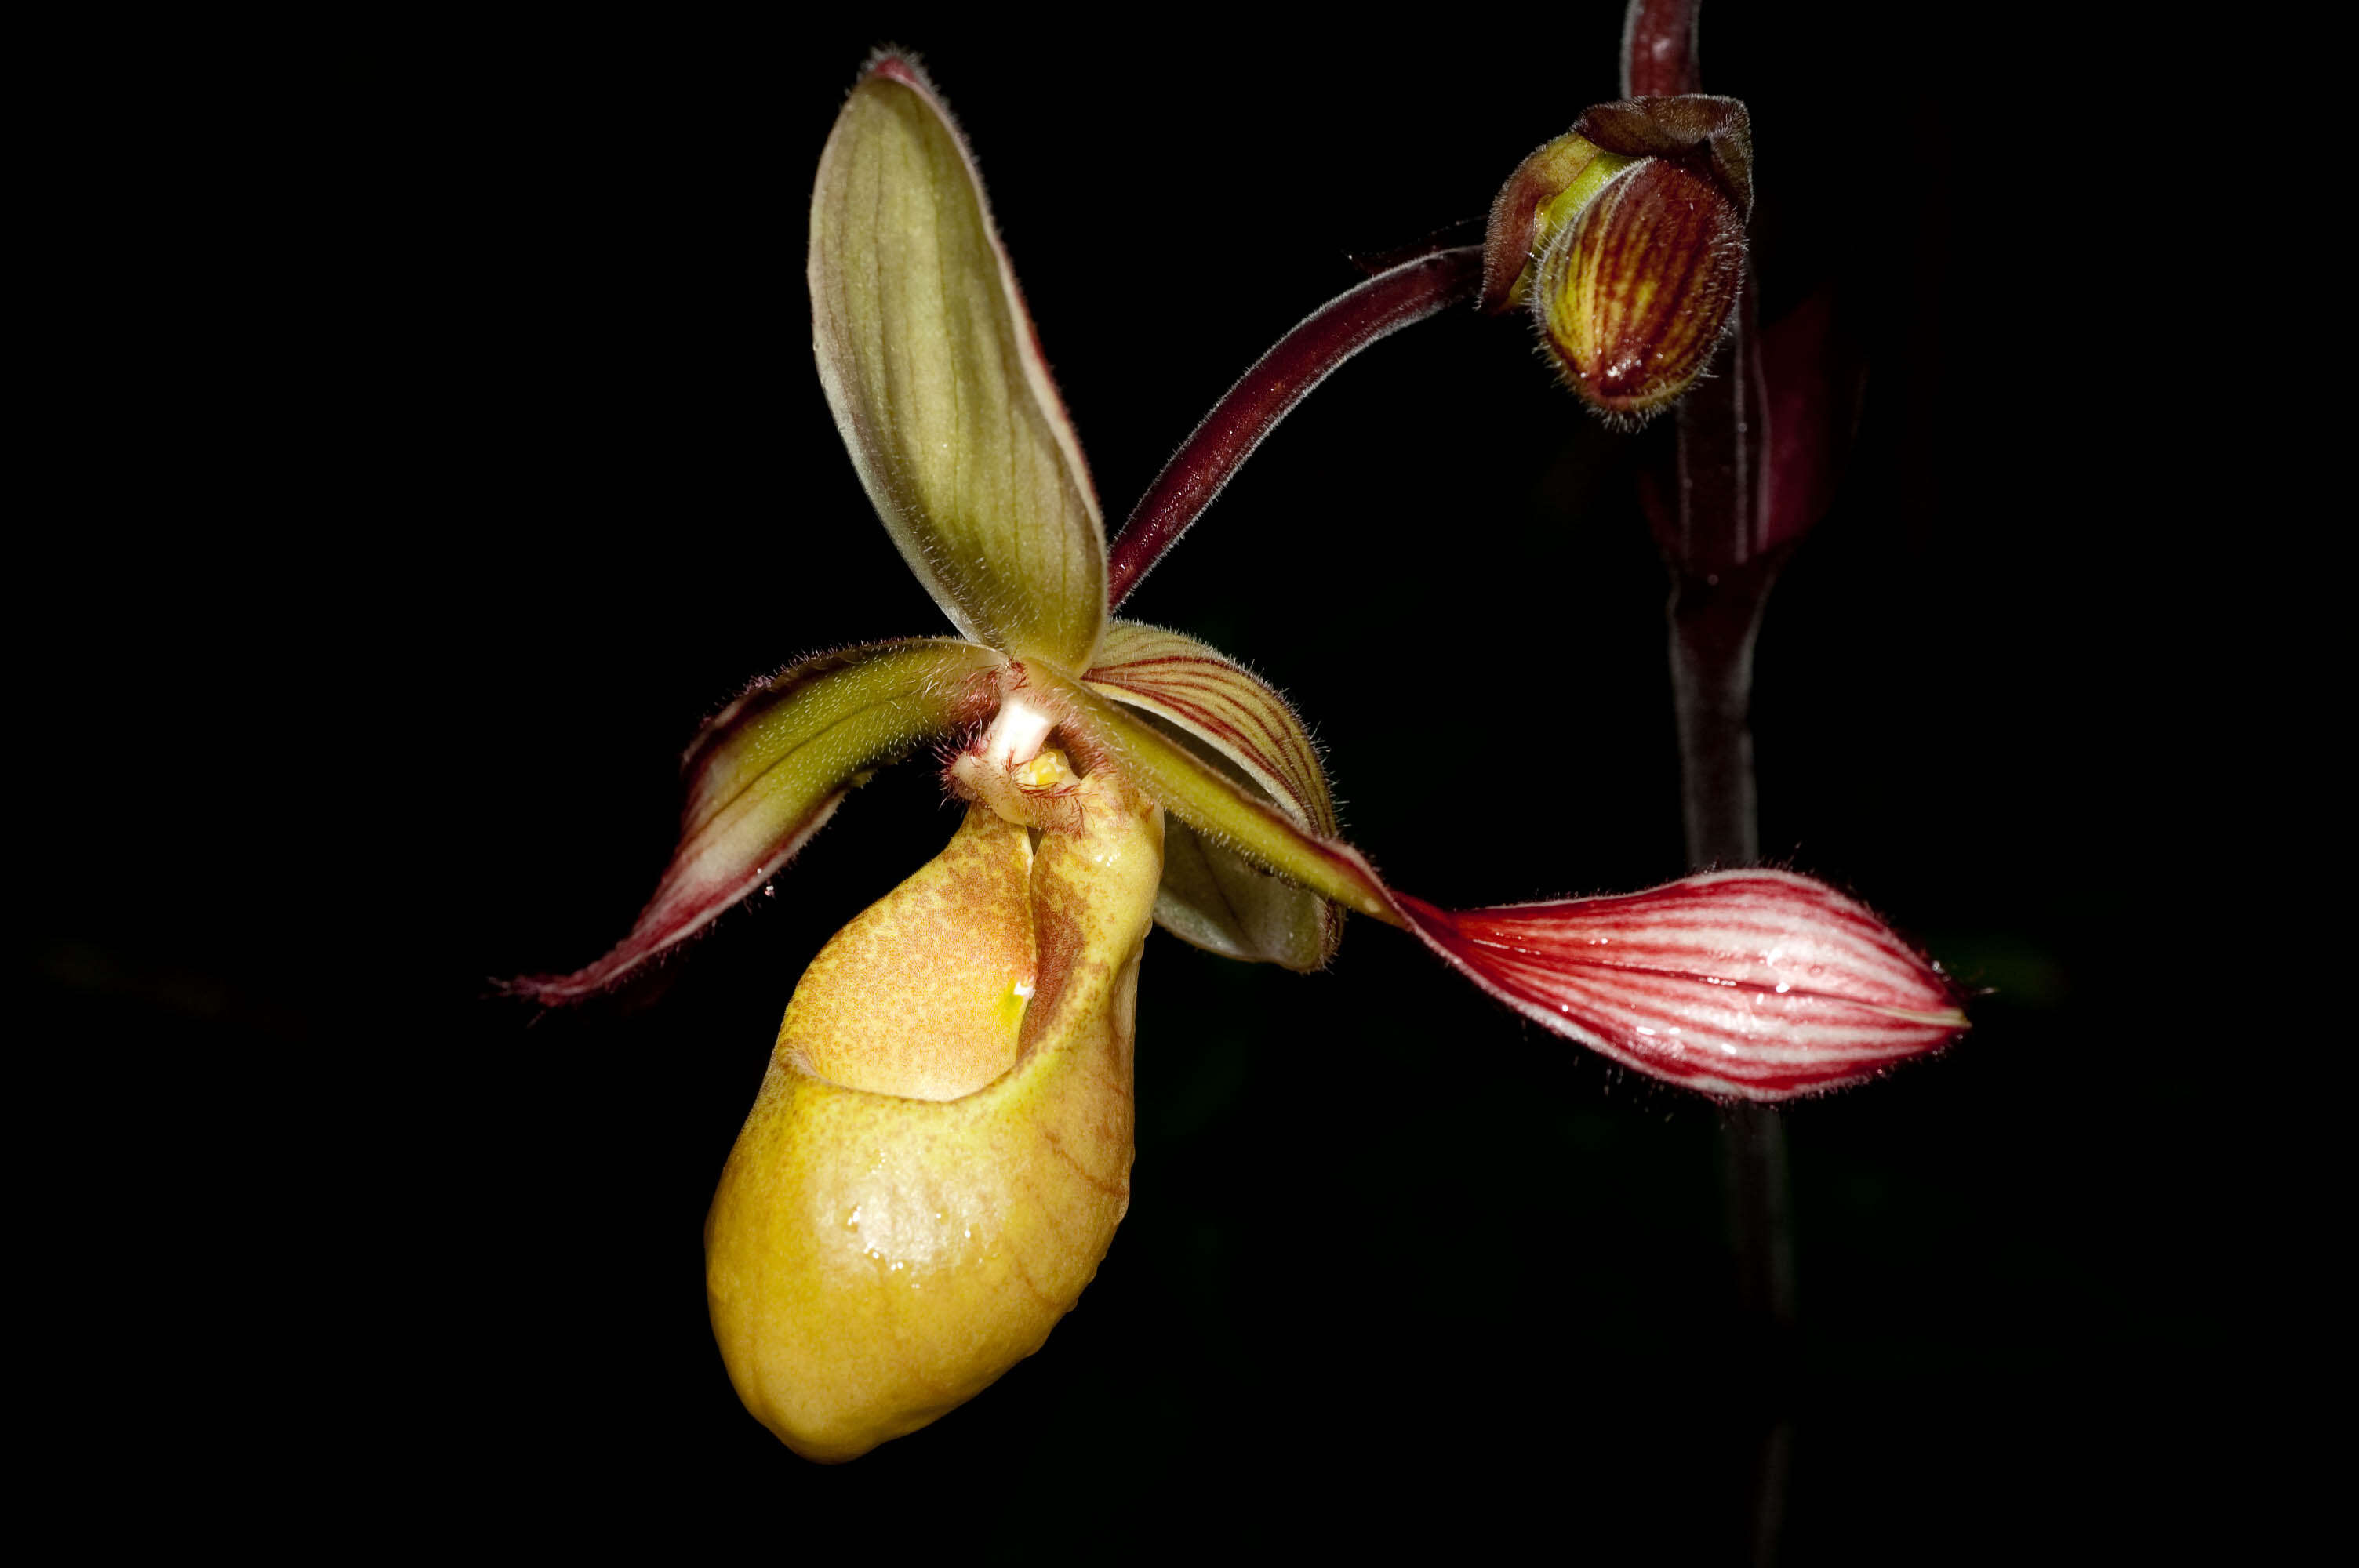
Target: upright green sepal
point(936, 379)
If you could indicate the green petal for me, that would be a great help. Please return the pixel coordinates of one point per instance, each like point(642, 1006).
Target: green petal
point(1222, 903)
point(936, 379)
point(770, 769)
point(1233, 721)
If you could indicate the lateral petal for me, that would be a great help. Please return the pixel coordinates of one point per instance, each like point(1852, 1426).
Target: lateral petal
point(937, 380)
point(1232, 719)
point(768, 770)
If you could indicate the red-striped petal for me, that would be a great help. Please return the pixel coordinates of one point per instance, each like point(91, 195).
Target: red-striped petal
point(1212, 697)
point(1212, 896)
point(1756, 985)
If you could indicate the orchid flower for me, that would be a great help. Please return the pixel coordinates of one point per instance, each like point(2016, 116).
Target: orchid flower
point(941, 1147)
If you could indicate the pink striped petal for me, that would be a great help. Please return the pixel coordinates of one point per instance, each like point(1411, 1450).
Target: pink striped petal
point(769, 770)
point(1755, 985)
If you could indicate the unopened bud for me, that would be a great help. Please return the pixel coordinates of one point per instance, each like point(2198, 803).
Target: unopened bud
point(1625, 238)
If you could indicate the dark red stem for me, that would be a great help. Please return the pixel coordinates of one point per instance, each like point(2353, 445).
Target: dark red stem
point(1716, 534)
point(1718, 592)
point(1714, 621)
point(1265, 394)
point(1659, 50)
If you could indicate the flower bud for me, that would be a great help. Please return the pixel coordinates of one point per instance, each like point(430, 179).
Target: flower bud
point(1625, 238)
point(941, 1148)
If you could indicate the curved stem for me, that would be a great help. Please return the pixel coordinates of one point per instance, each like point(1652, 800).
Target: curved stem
point(1394, 298)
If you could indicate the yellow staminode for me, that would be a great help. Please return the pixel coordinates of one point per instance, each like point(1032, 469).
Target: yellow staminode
point(1046, 771)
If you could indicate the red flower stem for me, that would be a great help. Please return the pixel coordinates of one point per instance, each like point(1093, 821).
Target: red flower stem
point(1714, 621)
point(1713, 624)
point(1394, 298)
point(1715, 615)
point(1658, 48)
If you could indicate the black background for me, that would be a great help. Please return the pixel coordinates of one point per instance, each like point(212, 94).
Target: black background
point(436, 440)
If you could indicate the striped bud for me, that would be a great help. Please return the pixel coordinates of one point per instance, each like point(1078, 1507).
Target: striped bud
point(1626, 240)
point(1753, 985)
